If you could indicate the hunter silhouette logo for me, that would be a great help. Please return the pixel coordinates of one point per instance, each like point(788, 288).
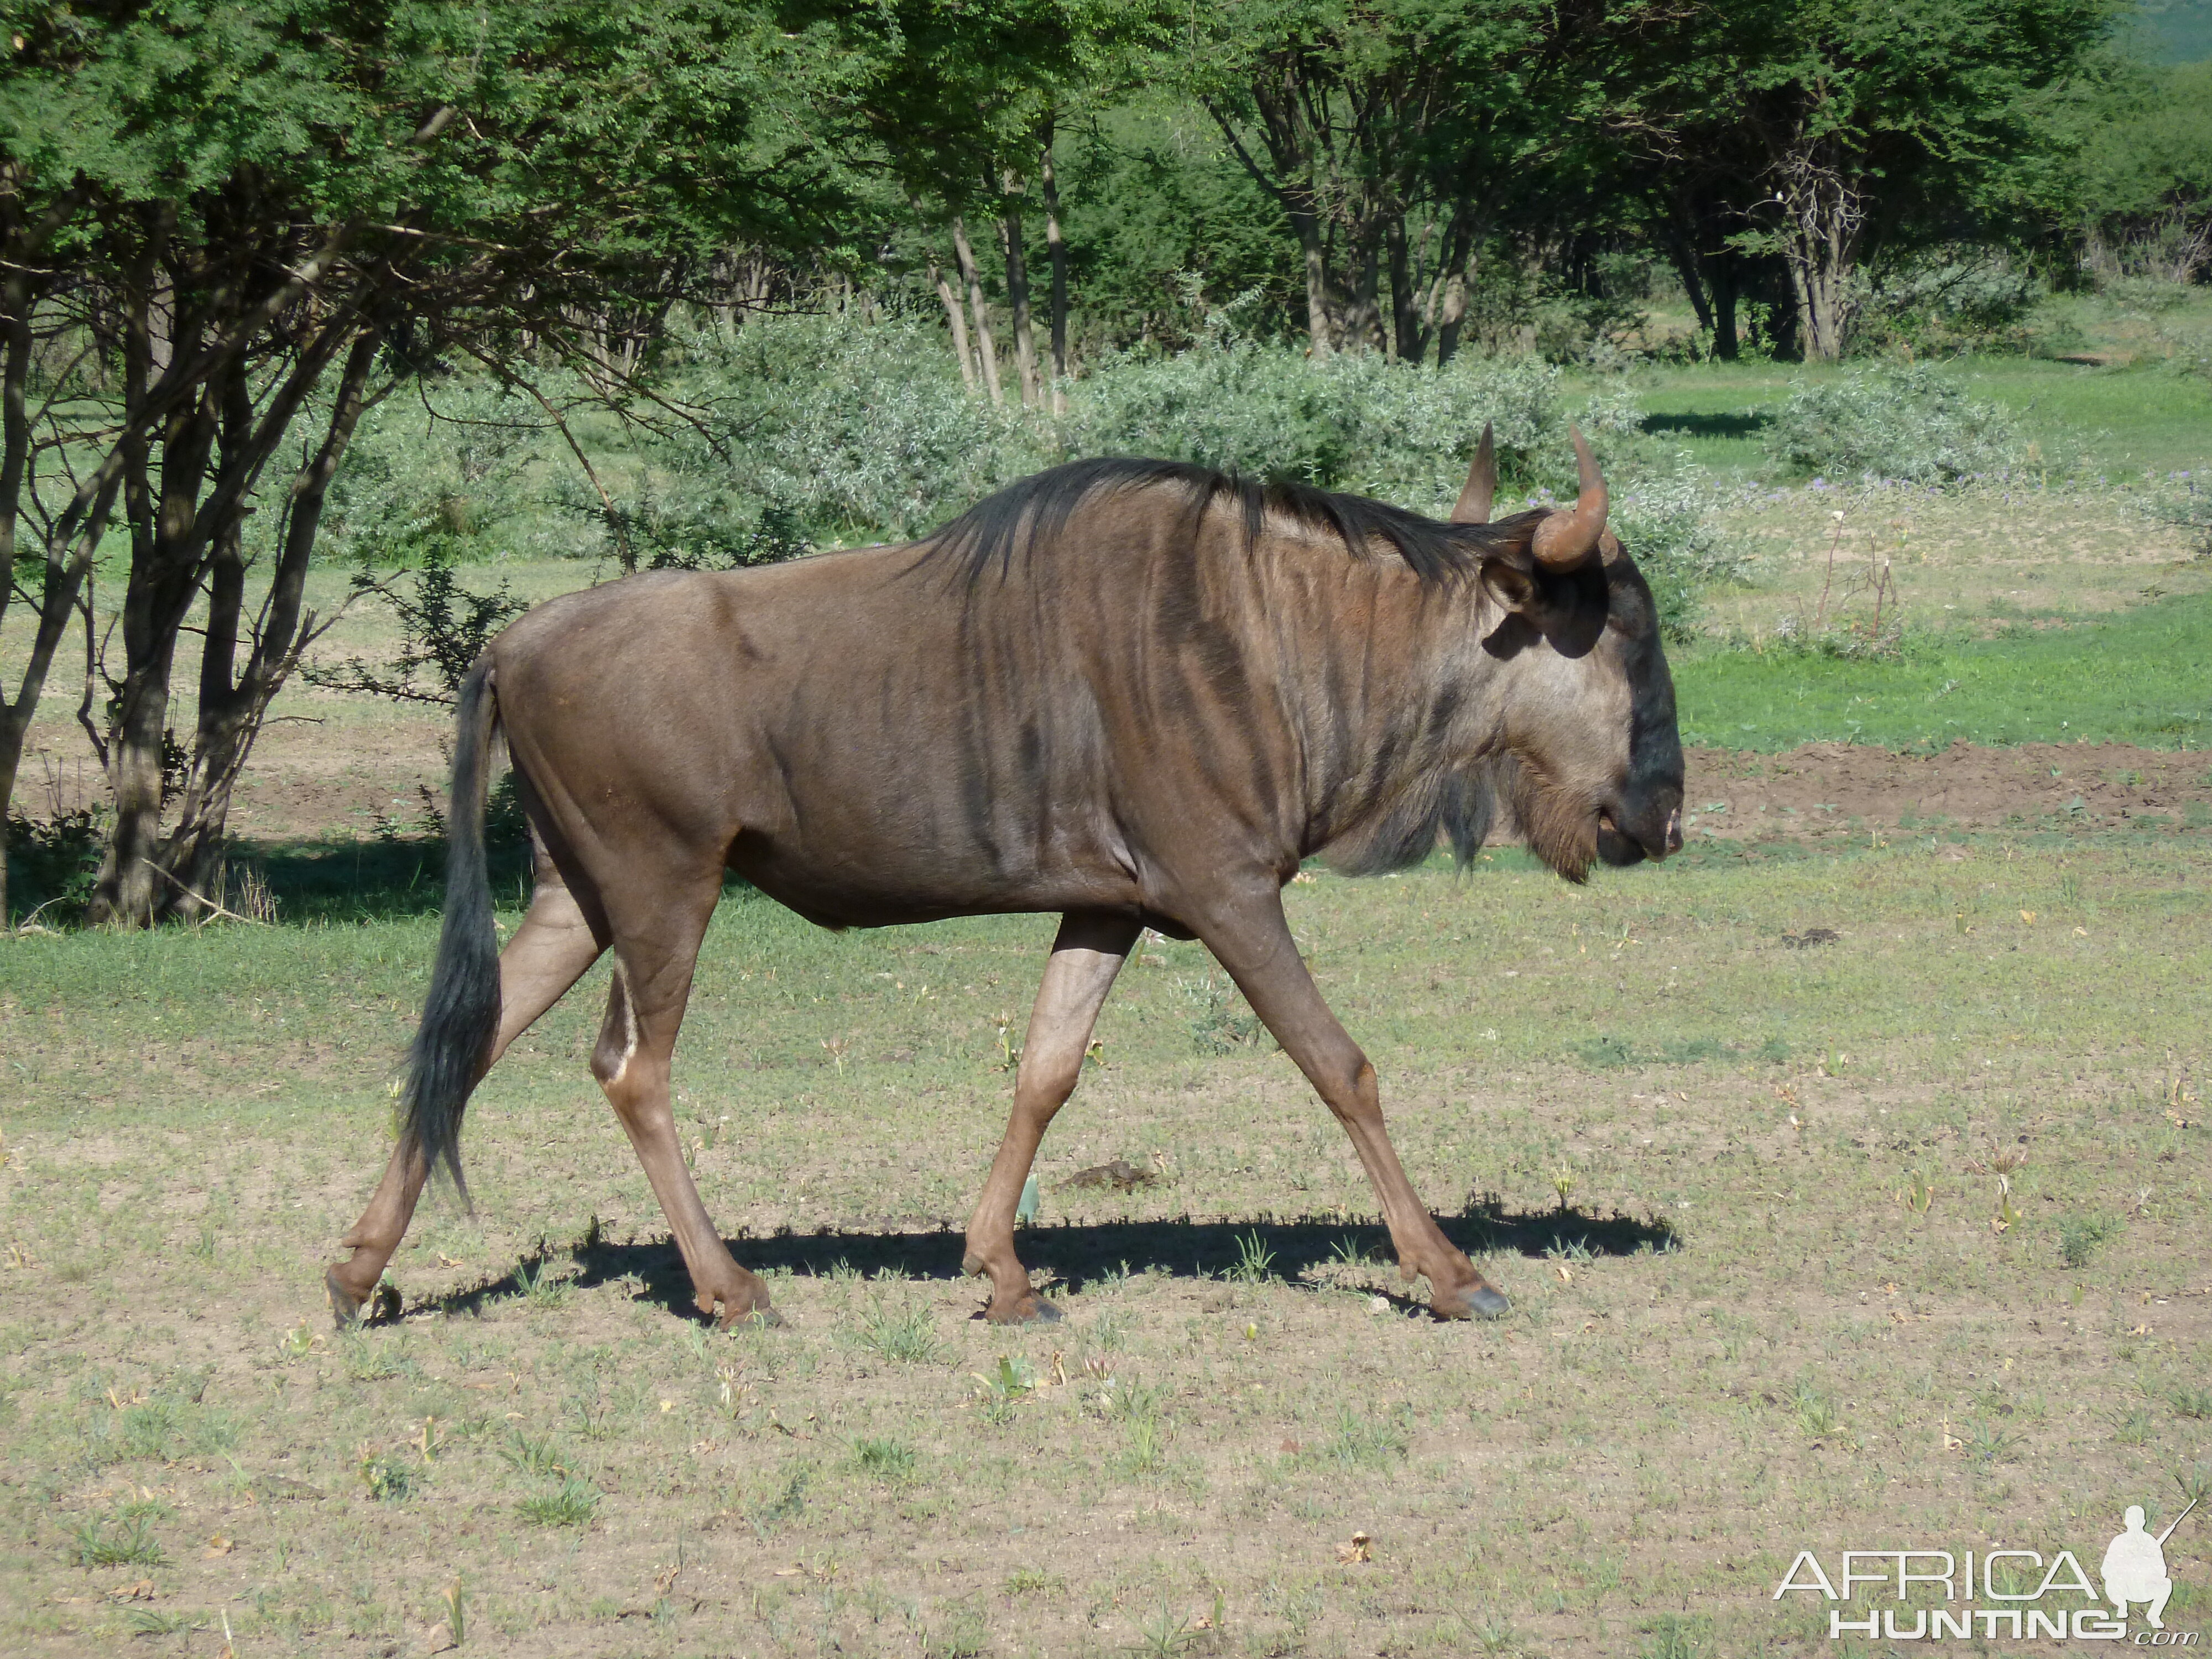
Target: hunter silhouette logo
point(1999, 1595)
point(2135, 1567)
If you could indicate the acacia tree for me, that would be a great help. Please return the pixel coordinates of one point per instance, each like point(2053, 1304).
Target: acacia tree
point(957, 106)
point(1394, 134)
point(269, 200)
point(1825, 130)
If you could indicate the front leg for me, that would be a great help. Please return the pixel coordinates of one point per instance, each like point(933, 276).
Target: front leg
point(1252, 940)
point(1087, 955)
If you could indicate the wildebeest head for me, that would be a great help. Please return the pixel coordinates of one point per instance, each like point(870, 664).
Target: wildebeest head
point(1592, 761)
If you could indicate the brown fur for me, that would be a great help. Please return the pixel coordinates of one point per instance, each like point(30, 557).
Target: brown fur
point(1132, 693)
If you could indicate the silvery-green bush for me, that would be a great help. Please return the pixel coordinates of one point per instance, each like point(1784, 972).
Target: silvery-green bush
point(456, 467)
point(1359, 422)
point(818, 428)
point(1664, 520)
point(1909, 421)
point(863, 428)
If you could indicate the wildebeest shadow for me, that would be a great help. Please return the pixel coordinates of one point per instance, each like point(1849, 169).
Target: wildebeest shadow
point(1080, 1252)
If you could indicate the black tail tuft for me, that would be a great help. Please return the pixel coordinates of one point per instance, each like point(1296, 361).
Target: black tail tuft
point(461, 1018)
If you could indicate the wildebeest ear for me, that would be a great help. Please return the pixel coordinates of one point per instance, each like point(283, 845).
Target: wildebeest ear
point(1567, 608)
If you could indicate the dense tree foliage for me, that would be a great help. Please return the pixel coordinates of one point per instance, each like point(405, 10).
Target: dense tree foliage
point(229, 229)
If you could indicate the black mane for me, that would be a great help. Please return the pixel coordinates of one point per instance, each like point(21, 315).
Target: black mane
point(1033, 513)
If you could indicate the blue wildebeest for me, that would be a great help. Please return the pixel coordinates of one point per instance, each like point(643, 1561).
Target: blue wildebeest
point(1135, 693)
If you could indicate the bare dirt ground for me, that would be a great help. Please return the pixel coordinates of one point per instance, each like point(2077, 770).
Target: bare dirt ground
point(1831, 788)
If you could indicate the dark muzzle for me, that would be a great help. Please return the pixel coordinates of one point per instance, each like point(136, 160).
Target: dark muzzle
point(1631, 838)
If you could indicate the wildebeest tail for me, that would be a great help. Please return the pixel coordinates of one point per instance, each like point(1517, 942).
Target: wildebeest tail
point(461, 1018)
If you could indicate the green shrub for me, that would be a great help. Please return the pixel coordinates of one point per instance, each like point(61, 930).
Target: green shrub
point(855, 430)
point(1907, 421)
point(53, 862)
point(1960, 300)
point(1665, 522)
point(1349, 421)
point(460, 466)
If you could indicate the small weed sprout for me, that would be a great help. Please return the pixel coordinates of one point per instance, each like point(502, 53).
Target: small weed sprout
point(730, 1390)
point(907, 1338)
point(1368, 1441)
point(571, 1503)
point(389, 1480)
point(2081, 1237)
point(1220, 1022)
point(539, 1458)
point(1815, 1411)
point(1004, 1386)
point(1670, 1638)
point(1255, 1262)
point(2195, 1403)
point(1350, 1252)
point(538, 1287)
point(128, 1543)
point(1918, 1195)
point(1163, 1634)
point(1563, 1183)
point(1148, 1442)
point(152, 1621)
point(1987, 1443)
point(891, 1461)
point(2195, 1484)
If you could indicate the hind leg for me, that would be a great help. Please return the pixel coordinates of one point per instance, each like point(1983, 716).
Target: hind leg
point(645, 1008)
point(548, 954)
point(1087, 955)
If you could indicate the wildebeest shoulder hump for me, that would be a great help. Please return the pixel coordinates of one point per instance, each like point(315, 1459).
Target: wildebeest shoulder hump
point(1003, 533)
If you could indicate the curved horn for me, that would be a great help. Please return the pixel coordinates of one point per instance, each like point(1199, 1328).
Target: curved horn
point(1474, 501)
point(1569, 535)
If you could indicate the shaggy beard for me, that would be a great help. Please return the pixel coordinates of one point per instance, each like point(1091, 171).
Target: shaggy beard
point(1560, 830)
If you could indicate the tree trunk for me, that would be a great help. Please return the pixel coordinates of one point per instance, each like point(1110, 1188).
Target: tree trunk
point(956, 322)
point(157, 595)
point(1306, 225)
point(234, 708)
point(1462, 248)
point(1363, 319)
point(987, 351)
point(1017, 285)
point(1824, 217)
point(1724, 280)
point(178, 541)
point(73, 538)
point(1058, 250)
point(1405, 342)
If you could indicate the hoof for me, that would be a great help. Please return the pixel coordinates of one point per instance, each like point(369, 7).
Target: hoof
point(1477, 1301)
point(1032, 1309)
point(760, 1315)
point(345, 1306)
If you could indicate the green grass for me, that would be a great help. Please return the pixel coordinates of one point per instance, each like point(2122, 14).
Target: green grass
point(1776, 1264)
point(2122, 420)
point(2143, 677)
